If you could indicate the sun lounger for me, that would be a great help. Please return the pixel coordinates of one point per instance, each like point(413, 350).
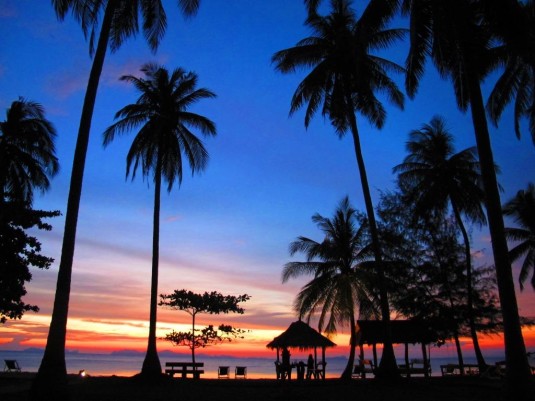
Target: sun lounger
point(241, 371)
point(223, 372)
point(11, 365)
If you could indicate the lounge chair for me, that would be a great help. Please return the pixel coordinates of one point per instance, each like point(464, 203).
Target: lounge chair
point(11, 365)
point(223, 371)
point(241, 371)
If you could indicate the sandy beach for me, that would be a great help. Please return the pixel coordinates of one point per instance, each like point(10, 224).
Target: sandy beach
point(15, 387)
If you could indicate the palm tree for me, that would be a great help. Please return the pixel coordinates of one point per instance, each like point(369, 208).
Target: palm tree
point(159, 147)
point(456, 36)
point(27, 151)
point(340, 285)
point(514, 21)
point(522, 208)
point(120, 22)
point(344, 79)
point(435, 178)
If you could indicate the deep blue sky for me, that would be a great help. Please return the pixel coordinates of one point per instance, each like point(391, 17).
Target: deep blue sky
point(227, 229)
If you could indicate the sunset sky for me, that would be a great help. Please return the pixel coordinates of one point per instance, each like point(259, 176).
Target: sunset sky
point(227, 229)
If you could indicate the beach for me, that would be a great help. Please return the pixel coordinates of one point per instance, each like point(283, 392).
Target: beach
point(16, 387)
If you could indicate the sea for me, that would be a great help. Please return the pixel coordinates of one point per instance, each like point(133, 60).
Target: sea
point(128, 363)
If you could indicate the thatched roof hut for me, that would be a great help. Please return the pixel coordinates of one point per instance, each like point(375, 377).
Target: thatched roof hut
point(371, 332)
point(300, 335)
point(403, 332)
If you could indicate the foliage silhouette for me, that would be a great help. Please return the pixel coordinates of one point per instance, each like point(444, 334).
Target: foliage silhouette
point(18, 252)
point(344, 79)
point(435, 178)
point(522, 209)
point(163, 142)
point(458, 37)
point(213, 303)
point(341, 285)
point(27, 151)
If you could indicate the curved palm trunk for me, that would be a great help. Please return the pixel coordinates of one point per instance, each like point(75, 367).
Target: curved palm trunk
point(151, 364)
point(346, 374)
point(387, 367)
point(193, 342)
point(518, 371)
point(52, 373)
point(459, 351)
point(470, 298)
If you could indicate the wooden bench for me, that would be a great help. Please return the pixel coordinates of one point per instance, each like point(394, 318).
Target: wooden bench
point(453, 369)
point(416, 367)
point(184, 369)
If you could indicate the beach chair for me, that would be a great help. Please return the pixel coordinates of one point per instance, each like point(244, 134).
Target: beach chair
point(223, 372)
point(241, 371)
point(11, 365)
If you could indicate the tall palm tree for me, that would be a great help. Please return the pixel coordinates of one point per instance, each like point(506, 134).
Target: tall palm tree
point(435, 178)
point(344, 79)
point(340, 285)
point(119, 22)
point(163, 140)
point(522, 209)
point(459, 41)
point(514, 21)
point(27, 151)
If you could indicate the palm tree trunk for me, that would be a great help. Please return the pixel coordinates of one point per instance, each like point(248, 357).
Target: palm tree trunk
point(518, 371)
point(470, 298)
point(348, 371)
point(52, 373)
point(387, 367)
point(193, 341)
point(151, 365)
point(459, 351)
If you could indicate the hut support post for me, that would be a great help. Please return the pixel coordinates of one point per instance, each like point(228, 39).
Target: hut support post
point(426, 361)
point(407, 366)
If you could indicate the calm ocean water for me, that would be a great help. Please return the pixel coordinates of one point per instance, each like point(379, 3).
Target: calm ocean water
point(129, 363)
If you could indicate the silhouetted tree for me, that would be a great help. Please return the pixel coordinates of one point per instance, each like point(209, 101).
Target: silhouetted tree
point(340, 287)
point(344, 79)
point(430, 275)
point(120, 21)
point(159, 148)
point(522, 209)
point(457, 37)
point(435, 178)
point(514, 23)
point(18, 252)
point(27, 162)
point(27, 152)
point(213, 303)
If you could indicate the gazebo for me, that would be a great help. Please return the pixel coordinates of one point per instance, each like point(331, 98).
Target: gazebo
point(371, 332)
point(301, 336)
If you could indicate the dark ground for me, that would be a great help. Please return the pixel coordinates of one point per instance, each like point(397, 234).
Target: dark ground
point(15, 387)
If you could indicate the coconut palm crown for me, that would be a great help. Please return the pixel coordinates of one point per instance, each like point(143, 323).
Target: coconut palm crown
point(522, 209)
point(340, 287)
point(27, 151)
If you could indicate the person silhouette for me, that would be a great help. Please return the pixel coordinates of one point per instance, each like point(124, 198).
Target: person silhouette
point(286, 367)
point(310, 366)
